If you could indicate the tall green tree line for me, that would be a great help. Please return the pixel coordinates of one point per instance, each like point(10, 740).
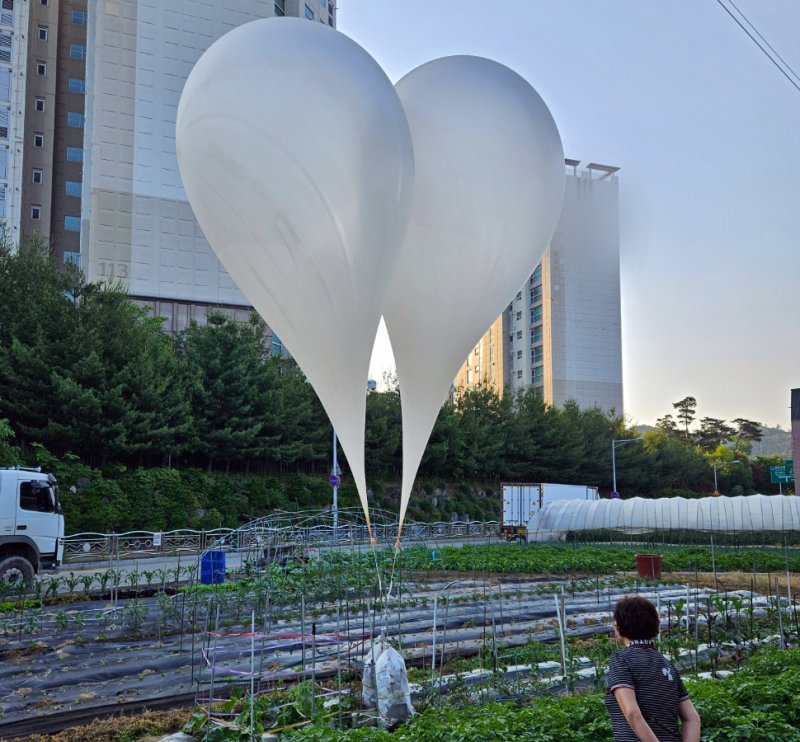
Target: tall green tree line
point(86, 373)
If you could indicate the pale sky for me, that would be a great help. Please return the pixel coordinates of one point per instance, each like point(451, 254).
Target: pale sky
point(706, 132)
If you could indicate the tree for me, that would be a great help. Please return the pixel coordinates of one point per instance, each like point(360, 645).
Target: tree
point(667, 424)
point(686, 409)
point(230, 388)
point(88, 370)
point(747, 431)
point(382, 435)
point(713, 433)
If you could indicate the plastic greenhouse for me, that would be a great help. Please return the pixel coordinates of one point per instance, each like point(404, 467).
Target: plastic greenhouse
point(765, 517)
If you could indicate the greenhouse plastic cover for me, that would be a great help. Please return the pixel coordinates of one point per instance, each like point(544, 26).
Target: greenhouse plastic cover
point(639, 514)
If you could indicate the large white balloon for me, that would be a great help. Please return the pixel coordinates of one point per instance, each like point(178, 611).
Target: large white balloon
point(297, 160)
point(488, 190)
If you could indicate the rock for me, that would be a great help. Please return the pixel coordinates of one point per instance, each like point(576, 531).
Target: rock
point(178, 737)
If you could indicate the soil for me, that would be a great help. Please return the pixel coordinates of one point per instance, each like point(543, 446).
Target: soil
point(145, 727)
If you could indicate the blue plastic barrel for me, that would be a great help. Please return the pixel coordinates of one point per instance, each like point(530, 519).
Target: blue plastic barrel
point(212, 568)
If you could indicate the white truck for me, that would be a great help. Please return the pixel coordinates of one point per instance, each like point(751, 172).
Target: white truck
point(521, 501)
point(31, 525)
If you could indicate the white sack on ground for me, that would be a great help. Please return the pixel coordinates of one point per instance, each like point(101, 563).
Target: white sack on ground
point(374, 651)
point(391, 685)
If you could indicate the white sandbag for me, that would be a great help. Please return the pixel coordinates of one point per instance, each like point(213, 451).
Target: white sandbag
point(374, 651)
point(391, 685)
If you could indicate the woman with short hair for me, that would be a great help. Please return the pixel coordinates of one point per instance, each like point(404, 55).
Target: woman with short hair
point(645, 695)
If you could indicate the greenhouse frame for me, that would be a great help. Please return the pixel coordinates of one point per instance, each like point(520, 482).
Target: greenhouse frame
point(766, 516)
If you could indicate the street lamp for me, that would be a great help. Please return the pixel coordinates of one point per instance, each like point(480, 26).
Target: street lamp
point(716, 491)
point(614, 443)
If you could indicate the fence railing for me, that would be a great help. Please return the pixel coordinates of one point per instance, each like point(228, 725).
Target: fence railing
point(107, 547)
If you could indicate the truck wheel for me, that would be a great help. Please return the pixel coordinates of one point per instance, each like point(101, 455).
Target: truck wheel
point(16, 570)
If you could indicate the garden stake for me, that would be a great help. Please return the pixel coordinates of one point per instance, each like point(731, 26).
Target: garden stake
point(433, 645)
point(252, 670)
point(339, 663)
point(213, 671)
point(782, 642)
point(788, 576)
point(313, 663)
point(713, 562)
point(303, 632)
point(444, 637)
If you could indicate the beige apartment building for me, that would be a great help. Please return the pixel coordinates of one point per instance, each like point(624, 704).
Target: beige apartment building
point(89, 93)
point(561, 332)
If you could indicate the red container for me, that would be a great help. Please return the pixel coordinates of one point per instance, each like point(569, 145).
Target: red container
point(649, 565)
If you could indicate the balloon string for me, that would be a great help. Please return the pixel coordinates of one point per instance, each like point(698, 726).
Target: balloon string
point(389, 593)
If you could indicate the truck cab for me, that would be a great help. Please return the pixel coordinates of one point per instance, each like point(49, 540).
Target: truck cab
point(31, 525)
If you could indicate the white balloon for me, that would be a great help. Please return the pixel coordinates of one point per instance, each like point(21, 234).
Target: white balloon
point(297, 160)
point(489, 184)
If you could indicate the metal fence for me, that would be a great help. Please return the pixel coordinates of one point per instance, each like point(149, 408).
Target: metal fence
point(107, 547)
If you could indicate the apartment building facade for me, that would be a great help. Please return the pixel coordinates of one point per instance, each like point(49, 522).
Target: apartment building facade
point(561, 332)
point(89, 92)
point(137, 226)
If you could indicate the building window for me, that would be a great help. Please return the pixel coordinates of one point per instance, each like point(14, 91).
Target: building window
point(79, 17)
point(38, 139)
point(519, 334)
point(519, 374)
point(77, 51)
point(38, 175)
point(536, 334)
point(536, 314)
point(519, 354)
point(72, 258)
point(45, 2)
point(74, 154)
point(309, 13)
point(72, 223)
point(77, 85)
point(537, 275)
point(39, 104)
point(537, 354)
point(4, 113)
point(36, 212)
point(75, 120)
point(74, 188)
point(519, 316)
point(6, 39)
point(538, 374)
point(536, 294)
point(42, 33)
point(41, 68)
point(280, 7)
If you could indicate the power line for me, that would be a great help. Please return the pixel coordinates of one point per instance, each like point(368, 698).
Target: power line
point(771, 48)
point(758, 44)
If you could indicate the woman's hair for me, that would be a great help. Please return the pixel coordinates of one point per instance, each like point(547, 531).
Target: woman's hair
point(636, 618)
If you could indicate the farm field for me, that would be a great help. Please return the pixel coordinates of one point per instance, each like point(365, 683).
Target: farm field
point(475, 625)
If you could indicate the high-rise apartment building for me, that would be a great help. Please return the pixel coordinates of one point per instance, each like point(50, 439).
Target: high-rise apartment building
point(561, 333)
point(42, 49)
point(89, 93)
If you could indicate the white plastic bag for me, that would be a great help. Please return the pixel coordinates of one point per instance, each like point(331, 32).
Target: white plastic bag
point(391, 686)
point(374, 651)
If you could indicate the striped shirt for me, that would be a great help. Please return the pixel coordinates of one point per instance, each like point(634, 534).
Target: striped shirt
point(659, 690)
